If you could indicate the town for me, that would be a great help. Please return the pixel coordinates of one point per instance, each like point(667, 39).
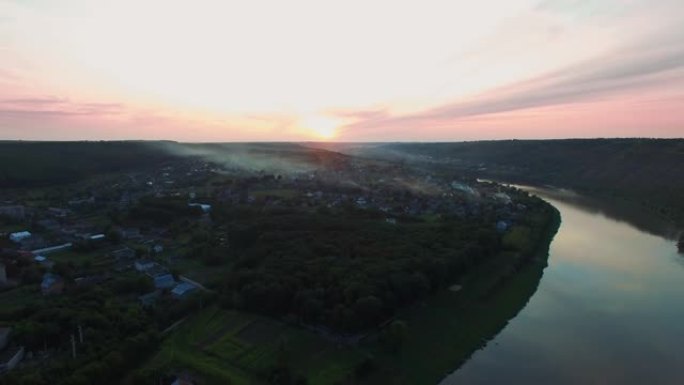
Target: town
point(153, 239)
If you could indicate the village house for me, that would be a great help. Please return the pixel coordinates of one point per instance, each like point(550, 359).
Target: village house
point(52, 249)
point(149, 299)
point(182, 289)
point(4, 336)
point(131, 233)
point(59, 212)
point(13, 211)
point(43, 261)
point(3, 275)
point(143, 265)
point(206, 208)
point(19, 236)
point(52, 284)
point(123, 254)
point(502, 226)
point(49, 224)
point(10, 358)
point(182, 380)
point(164, 281)
point(89, 280)
point(161, 277)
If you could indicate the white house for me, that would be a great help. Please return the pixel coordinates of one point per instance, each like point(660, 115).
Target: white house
point(20, 236)
point(205, 207)
point(97, 237)
point(144, 265)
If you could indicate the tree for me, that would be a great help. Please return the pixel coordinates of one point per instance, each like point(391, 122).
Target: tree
point(113, 236)
point(394, 335)
point(368, 310)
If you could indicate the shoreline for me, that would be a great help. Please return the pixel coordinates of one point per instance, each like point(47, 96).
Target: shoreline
point(472, 317)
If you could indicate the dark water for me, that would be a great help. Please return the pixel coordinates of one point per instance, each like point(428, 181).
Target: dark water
point(609, 309)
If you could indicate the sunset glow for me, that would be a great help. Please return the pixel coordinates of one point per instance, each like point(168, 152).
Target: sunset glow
point(351, 71)
point(322, 127)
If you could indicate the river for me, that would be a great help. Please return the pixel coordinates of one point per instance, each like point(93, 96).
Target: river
point(608, 310)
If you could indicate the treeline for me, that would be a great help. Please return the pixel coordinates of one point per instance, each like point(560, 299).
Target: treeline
point(647, 171)
point(163, 210)
point(344, 271)
point(117, 334)
point(36, 164)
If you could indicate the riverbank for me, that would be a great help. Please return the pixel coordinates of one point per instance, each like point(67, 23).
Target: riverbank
point(607, 303)
point(448, 328)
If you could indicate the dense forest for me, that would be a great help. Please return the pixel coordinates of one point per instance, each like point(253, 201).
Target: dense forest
point(647, 171)
point(351, 271)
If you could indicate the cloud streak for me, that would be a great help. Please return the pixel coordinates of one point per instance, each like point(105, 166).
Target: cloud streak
point(53, 106)
point(638, 67)
point(443, 70)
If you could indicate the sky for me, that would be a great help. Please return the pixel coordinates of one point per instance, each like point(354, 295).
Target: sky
point(352, 70)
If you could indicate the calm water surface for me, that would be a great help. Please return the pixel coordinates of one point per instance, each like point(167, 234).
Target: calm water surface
point(609, 310)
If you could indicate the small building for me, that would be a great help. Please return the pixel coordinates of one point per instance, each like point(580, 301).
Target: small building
point(206, 208)
point(131, 233)
point(123, 254)
point(143, 265)
point(50, 224)
point(10, 358)
point(97, 237)
point(182, 380)
point(503, 197)
point(13, 211)
point(52, 284)
point(3, 275)
point(182, 289)
point(164, 281)
point(59, 212)
point(43, 261)
point(52, 249)
point(501, 226)
point(4, 337)
point(89, 280)
point(149, 299)
point(19, 236)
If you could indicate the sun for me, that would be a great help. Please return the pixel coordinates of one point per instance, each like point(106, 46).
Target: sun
point(321, 127)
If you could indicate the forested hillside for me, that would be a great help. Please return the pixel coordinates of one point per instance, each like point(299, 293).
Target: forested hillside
point(38, 164)
point(32, 164)
point(648, 171)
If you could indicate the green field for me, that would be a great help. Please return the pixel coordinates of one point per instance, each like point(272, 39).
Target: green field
point(229, 347)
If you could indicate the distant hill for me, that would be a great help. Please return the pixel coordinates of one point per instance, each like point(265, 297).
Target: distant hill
point(37, 164)
point(33, 164)
point(648, 171)
point(271, 157)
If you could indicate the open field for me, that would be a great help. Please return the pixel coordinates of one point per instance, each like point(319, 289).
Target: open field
point(223, 346)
